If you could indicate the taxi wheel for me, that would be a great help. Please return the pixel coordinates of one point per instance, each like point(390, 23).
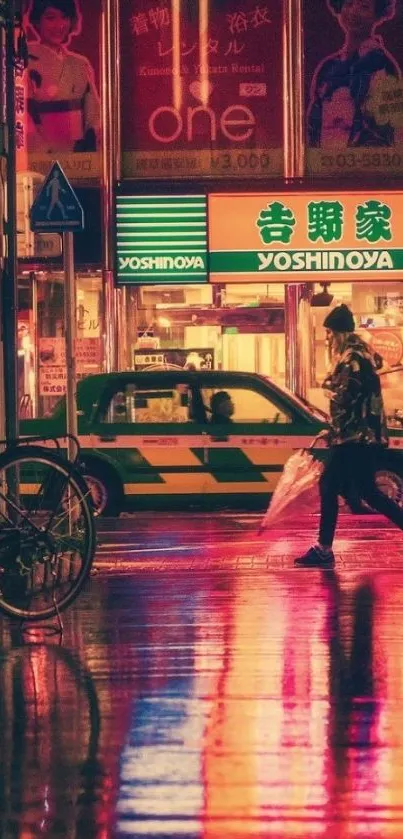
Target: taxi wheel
point(105, 487)
point(390, 482)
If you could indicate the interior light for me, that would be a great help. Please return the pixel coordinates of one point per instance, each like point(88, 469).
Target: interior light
point(322, 298)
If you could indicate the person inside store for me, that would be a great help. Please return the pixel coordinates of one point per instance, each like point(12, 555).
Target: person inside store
point(356, 437)
point(345, 84)
point(63, 102)
point(222, 408)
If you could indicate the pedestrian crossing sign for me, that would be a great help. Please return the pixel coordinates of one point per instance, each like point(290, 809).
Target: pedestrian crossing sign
point(56, 208)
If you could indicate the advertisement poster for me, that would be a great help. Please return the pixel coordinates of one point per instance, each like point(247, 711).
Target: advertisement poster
point(387, 343)
point(52, 363)
point(57, 96)
point(201, 88)
point(354, 87)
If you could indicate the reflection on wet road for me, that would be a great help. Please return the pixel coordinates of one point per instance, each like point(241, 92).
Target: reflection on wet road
point(207, 689)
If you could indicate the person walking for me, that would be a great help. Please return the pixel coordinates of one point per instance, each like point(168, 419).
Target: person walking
point(357, 434)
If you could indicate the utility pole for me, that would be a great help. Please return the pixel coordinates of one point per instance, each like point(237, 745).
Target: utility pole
point(14, 50)
point(3, 128)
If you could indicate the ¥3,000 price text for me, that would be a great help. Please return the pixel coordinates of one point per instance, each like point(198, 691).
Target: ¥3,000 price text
point(241, 161)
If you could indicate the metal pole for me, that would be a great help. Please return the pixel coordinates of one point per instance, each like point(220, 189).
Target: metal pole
point(10, 273)
point(305, 340)
point(123, 325)
point(110, 133)
point(298, 330)
point(296, 344)
point(3, 176)
point(70, 309)
point(35, 329)
point(291, 304)
point(293, 102)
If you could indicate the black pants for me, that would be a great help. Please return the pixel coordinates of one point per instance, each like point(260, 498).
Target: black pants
point(353, 463)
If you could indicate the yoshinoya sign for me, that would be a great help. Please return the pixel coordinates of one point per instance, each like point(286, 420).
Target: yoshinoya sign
point(293, 237)
point(161, 239)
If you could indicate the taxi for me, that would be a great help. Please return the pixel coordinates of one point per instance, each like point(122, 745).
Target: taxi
point(194, 437)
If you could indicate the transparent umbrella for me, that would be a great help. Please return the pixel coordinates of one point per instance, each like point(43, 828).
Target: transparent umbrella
point(297, 492)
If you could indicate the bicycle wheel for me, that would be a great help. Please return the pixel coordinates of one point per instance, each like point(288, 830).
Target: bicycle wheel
point(47, 533)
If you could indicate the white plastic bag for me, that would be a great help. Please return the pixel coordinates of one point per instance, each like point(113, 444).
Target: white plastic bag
point(297, 492)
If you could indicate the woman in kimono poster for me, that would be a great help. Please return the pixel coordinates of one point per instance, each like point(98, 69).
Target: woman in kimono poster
point(347, 85)
point(63, 102)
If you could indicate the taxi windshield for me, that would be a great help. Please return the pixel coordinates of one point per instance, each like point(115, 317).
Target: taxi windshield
point(301, 402)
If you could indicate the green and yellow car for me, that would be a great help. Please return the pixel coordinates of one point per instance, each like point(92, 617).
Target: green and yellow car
point(157, 438)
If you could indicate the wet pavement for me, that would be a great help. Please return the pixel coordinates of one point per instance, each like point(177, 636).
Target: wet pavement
point(205, 688)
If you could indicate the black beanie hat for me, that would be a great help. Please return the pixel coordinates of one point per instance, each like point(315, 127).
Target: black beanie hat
point(340, 319)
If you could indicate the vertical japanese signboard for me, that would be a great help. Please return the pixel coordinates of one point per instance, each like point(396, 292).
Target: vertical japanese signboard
point(201, 88)
point(354, 87)
point(305, 237)
point(52, 363)
point(57, 96)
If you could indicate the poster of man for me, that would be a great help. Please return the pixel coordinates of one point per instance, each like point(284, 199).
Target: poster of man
point(348, 86)
point(62, 100)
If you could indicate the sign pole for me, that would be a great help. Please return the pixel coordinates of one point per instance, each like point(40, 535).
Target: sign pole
point(56, 209)
point(70, 310)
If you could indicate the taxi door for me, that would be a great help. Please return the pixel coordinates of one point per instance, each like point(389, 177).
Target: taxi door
point(150, 432)
point(251, 435)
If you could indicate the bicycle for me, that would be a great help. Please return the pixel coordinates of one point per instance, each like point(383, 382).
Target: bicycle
point(47, 529)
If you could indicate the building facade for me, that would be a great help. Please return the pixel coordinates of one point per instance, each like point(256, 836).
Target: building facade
point(244, 173)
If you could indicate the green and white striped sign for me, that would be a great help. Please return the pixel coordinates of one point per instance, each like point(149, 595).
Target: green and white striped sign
point(161, 239)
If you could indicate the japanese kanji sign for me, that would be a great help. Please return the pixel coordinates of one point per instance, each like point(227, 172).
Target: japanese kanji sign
point(201, 94)
point(293, 237)
point(52, 363)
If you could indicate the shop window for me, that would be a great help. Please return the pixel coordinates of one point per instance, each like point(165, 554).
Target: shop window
point(241, 405)
point(149, 405)
point(392, 391)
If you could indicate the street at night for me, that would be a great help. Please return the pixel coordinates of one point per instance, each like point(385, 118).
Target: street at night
point(204, 687)
point(201, 317)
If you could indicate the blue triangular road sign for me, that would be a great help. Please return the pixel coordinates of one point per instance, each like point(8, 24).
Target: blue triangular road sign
point(56, 208)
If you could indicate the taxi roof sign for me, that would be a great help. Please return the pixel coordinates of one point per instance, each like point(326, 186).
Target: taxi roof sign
point(56, 208)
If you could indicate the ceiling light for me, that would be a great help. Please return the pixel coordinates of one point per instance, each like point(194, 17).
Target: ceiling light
point(322, 298)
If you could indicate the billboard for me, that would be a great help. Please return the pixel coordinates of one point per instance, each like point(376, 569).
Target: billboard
point(57, 96)
point(354, 87)
point(161, 239)
point(201, 88)
point(298, 237)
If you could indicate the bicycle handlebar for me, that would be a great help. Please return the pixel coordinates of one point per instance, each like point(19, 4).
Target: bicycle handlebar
point(44, 438)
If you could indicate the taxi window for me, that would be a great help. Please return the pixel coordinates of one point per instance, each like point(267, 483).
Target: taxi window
point(243, 405)
point(153, 404)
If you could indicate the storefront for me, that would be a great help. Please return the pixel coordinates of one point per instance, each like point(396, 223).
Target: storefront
point(238, 281)
point(198, 99)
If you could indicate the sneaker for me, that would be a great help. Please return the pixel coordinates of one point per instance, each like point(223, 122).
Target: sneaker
point(316, 557)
